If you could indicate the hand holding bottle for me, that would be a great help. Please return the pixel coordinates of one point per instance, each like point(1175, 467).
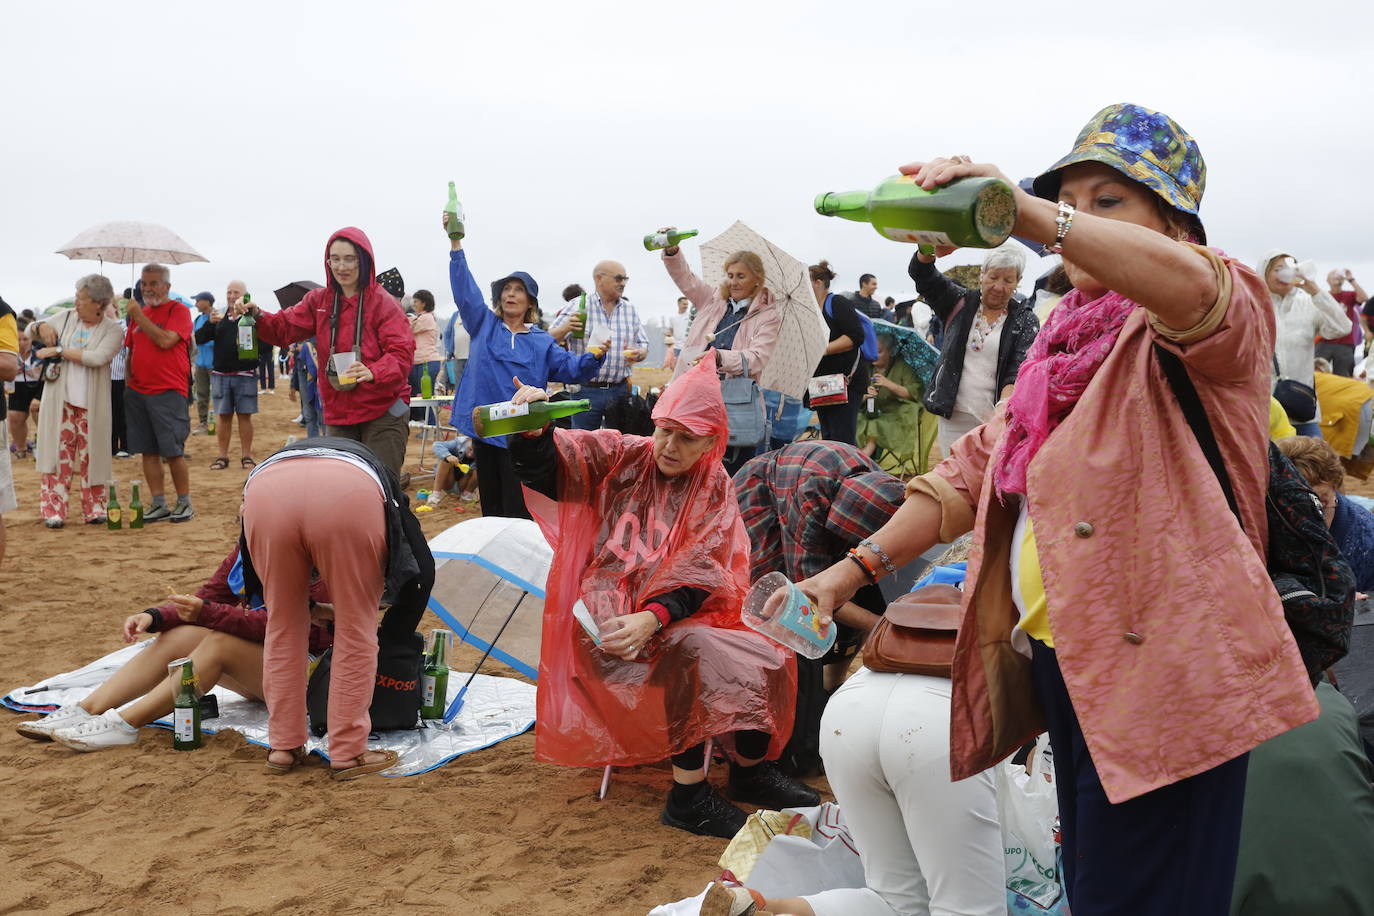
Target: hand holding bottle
point(136, 625)
point(453, 244)
point(670, 251)
point(526, 394)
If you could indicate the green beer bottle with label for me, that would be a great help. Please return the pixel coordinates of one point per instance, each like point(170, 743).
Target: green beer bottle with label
point(135, 509)
point(581, 333)
point(434, 682)
point(185, 709)
point(969, 212)
point(114, 516)
point(657, 241)
point(505, 418)
point(455, 213)
point(247, 333)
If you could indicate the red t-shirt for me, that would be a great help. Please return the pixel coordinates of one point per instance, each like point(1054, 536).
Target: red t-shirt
point(153, 370)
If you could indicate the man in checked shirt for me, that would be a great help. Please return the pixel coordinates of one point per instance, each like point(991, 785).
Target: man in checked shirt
point(608, 311)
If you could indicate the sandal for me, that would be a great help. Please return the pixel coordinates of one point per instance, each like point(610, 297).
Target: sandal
point(219, 464)
point(360, 767)
point(247, 462)
point(281, 769)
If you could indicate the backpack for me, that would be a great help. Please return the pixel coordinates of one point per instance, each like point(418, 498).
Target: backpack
point(1313, 580)
point(396, 693)
point(630, 414)
point(869, 350)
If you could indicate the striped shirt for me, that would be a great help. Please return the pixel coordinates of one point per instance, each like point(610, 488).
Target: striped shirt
point(625, 330)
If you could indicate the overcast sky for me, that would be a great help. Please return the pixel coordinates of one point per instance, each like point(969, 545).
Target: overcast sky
point(255, 129)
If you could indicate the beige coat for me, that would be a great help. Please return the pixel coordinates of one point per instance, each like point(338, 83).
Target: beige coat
point(105, 341)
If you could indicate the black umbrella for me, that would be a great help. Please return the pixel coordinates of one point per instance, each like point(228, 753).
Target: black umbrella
point(292, 293)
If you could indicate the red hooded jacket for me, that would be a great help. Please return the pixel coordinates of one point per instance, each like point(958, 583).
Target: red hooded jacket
point(388, 347)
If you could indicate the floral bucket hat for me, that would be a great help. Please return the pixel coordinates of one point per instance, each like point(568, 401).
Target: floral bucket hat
point(1142, 144)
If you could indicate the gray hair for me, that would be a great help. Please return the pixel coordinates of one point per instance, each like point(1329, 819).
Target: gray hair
point(160, 269)
point(1005, 256)
point(97, 287)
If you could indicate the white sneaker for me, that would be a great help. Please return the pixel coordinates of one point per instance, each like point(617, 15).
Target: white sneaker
point(97, 733)
point(42, 729)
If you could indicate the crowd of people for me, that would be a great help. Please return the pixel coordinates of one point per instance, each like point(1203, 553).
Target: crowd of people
point(1108, 450)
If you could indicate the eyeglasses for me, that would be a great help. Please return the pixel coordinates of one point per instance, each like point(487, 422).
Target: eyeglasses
point(621, 278)
point(346, 260)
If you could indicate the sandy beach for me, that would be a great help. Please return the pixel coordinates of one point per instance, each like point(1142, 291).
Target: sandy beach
point(145, 829)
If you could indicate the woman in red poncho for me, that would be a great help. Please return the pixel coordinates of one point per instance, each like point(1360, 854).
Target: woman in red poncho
point(649, 546)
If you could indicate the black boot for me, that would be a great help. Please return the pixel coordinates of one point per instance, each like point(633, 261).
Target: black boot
point(764, 785)
point(698, 809)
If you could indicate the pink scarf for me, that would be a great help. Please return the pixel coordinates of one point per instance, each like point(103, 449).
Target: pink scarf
point(1065, 356)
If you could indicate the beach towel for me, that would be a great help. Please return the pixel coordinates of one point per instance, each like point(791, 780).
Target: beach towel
point(495, 708)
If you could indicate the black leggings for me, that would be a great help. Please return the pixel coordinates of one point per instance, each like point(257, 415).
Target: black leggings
point(749, 744)
point(497, 486)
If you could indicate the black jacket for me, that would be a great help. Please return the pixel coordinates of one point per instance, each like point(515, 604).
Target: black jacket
point(225, 334)
point(944, 297)
point(843, 321)
point(409, 574)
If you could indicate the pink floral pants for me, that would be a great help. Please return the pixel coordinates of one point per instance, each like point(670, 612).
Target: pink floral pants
point(73, 456)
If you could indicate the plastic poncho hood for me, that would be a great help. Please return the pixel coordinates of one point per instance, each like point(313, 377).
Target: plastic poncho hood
point(624, 533)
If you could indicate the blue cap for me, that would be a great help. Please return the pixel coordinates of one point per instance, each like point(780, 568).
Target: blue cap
point(207, 296)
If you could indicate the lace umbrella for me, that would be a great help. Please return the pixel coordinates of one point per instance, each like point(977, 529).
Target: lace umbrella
point(127, 242)
point(803, 334)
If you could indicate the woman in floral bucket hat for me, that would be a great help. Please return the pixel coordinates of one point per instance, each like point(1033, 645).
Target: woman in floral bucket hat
point(1111, 596)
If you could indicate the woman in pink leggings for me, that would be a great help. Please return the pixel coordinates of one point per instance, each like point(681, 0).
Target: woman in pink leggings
point(320, 509)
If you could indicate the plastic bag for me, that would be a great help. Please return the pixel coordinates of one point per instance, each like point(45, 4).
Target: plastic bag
point(1028, 809)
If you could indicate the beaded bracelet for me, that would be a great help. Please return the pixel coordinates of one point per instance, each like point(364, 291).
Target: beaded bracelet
point(1063, 222)
point(881, 555)
point(868, 570)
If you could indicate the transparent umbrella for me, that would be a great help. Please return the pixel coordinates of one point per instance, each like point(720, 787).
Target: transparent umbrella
point(803, 334)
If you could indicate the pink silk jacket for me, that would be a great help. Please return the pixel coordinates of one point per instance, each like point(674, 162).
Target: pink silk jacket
point(1168, 630)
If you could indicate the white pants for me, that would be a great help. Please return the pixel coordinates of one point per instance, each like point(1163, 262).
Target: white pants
point(928, 846)
point(953, 428)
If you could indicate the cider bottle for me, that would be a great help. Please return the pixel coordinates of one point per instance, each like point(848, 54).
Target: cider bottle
point(434, 682)
point(114, 517)
point(581, 332)
point(455, 213)
point(967, 212)
point(505, 418)
point(657, 241)
point(135, 509)
point(185, 708)
point(248, 333)
point(426, 383)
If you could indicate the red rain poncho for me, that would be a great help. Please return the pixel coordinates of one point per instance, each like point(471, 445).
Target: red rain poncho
point(622, 533)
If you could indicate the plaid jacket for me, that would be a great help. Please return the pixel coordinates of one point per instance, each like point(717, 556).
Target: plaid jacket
point(806, 504)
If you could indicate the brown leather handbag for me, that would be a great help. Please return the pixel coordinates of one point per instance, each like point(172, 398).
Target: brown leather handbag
point(916, 633)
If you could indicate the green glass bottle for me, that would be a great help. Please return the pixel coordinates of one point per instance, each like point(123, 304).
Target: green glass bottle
point(505, 418)
point(247, 333)
point(114, 516)
point(871, 408)
point(434, 682)
point(426, 383)
point(455, 213)
point(581, 333)
point(657, 241)
point(186, 709)
point(135, 509)
point(969, 212)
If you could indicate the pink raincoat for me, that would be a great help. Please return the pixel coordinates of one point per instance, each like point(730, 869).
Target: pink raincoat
point(624, 533)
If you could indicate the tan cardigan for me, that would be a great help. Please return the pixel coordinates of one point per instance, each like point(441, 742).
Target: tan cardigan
point(105, 341)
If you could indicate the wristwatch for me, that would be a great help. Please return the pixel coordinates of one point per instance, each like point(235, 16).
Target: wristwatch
point(59, 349)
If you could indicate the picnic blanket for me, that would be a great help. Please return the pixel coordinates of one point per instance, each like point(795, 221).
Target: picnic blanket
point(495, 708)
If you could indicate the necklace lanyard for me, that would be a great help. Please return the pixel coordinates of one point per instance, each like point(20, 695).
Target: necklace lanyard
point(357, 329)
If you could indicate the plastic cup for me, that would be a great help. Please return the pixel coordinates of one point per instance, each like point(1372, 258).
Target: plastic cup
point(341, 362)
point(785, 614)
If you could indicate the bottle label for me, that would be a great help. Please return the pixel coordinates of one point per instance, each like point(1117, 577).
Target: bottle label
point(428, 688)
point(660, 240)
point(112, 515)
point(183, 724)
point(505, 410)
point(916, 236)
point(245, 337)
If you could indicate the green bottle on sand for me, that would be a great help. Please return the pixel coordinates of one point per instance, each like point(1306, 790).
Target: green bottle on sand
point(969, 212)
point(186, 709)
point(114, 516)
point(434, 682)
point(135, 509)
